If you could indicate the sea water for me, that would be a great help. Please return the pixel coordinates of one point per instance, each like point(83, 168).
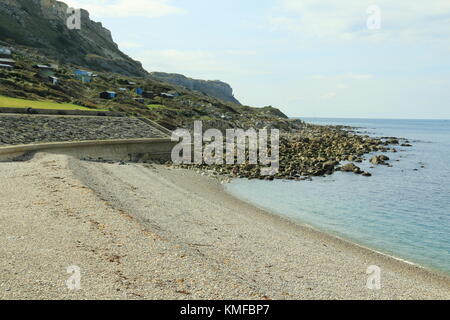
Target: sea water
point(403, 210)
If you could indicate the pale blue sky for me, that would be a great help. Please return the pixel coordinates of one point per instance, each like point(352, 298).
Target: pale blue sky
point(310, 58)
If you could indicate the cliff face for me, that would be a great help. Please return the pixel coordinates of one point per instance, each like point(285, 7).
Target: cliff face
point(42, 24)
point(218, 89)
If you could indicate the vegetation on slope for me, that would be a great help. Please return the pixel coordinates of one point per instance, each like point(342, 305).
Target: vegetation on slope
point(23, 82)
point(8, 102)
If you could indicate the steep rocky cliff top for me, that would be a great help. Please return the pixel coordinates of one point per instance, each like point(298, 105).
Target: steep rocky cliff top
point(42, 24)
point(216, 88)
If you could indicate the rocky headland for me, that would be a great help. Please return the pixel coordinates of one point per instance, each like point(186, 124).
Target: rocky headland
point(42, 24)
point(214, 88)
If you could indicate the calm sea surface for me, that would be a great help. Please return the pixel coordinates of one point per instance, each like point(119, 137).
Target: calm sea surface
point(398, 211)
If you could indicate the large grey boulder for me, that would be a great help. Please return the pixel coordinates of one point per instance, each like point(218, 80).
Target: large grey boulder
point(380, 159)
point(351, 167)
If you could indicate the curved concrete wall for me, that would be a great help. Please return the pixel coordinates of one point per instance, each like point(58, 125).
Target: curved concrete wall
point(116, 150)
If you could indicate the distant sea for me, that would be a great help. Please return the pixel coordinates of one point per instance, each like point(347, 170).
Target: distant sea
point(403, 211)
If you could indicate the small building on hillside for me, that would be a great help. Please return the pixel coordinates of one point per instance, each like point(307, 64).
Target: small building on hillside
point(8, 62)
point(139, 91)
point(148, 94)
point(83, 75)
point(123, 89)
point(53, 80)
point(45, 71)
point(126, 82)
point(140, 100)
point(5, 52)
point(167, 95)
point(108, 95)
point(6, 67)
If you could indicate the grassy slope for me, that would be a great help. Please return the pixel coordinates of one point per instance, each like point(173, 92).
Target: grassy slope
point(7, 102)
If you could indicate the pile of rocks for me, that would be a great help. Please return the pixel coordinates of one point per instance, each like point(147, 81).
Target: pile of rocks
point(27, 129)
point(314, 151)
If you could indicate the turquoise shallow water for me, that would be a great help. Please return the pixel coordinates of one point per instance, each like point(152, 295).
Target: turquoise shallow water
point(398, 211)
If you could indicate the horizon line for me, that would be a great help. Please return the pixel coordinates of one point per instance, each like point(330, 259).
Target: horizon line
point(359, 118)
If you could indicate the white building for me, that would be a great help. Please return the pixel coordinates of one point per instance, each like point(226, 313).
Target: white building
point(5, 52)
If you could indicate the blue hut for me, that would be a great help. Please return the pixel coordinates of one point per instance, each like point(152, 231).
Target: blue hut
point(82, 75)
point(139, 91)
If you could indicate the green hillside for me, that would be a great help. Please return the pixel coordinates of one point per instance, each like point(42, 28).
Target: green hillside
point(28, 89)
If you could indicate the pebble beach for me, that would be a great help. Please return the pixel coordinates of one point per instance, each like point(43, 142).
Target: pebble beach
point(145, 231)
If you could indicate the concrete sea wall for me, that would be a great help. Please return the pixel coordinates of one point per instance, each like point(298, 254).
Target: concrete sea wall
point(115, 150)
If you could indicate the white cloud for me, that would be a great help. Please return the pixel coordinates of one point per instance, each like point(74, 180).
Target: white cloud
point(347, 76)
point(241, 52)
point(347, 19)
point(359, 76)
point(126, 8)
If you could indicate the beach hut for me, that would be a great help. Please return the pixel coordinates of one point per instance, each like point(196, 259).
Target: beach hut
point(8, 61)
point(53, 80)
point(126, 82)
point(83, 75)
point(54, 66)
point(167, 95)
point(5, 52)
point(6, 67)
point(148, 94)
point(108, 95)
point(45, 71)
